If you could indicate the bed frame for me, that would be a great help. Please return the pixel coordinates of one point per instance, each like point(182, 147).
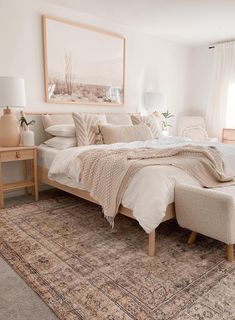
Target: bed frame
point(170, 211)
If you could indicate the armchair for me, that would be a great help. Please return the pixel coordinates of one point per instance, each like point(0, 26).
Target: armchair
point(194, 128)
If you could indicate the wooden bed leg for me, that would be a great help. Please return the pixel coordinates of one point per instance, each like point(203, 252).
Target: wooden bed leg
point(152, 243)
point(192, 237)
point(230, 252)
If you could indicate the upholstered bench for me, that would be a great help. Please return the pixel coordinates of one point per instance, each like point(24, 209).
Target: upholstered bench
point(206, 211)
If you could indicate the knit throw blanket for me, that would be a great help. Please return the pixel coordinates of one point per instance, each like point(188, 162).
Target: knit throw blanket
point(107, 173)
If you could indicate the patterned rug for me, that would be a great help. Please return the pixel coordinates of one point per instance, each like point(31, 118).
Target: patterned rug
point(83, 269)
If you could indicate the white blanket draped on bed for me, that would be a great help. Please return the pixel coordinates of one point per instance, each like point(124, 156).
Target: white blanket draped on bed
point(151, 190)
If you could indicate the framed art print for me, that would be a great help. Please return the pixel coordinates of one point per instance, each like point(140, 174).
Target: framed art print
point(82, 64)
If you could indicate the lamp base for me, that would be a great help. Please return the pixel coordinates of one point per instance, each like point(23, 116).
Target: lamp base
point(9, 131)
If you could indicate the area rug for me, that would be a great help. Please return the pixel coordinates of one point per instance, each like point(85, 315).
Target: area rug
point(66, 251)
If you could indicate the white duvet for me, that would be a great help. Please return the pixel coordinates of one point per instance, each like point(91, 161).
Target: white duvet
point(152, 188)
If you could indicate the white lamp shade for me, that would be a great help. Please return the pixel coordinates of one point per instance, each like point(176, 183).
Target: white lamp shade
point(154, 101)
point(12, 92)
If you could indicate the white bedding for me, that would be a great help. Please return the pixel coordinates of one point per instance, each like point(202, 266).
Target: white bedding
point(46, 155)
point(152, 188)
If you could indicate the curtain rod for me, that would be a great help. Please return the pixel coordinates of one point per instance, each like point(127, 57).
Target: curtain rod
point(213, 45)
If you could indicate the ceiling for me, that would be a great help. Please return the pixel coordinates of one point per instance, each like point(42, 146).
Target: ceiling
point(191, 22)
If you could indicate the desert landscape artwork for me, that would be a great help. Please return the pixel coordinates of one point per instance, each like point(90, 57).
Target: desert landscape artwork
point(82, 64)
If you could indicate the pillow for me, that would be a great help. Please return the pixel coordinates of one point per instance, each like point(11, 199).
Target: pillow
point(87, 128)
point(49, 120)
point(152, 121)
point(61, 143)
point(62, 130)
point(114, 134)
point(119, 118)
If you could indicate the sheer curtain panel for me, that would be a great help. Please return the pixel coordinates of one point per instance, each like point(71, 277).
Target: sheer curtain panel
point(223, 76)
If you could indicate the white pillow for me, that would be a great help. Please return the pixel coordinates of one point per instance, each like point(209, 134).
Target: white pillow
point(62, 130)
point(61, 143)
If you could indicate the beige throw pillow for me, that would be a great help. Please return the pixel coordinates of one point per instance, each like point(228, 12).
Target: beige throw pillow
point(86, 126)
point(114, 134)
point(152, 121)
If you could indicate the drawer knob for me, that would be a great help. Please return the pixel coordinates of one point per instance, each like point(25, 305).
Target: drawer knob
point(17, 154)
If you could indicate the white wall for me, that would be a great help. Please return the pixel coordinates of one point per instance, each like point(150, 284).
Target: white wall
point(201, 64)
point(151, 63)
point(168, 71)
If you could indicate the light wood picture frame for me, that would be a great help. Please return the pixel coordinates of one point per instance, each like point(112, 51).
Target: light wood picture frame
point(82, 64)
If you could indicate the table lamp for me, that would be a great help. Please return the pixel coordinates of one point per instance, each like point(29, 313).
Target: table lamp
point(154, 102)
point(12, 94)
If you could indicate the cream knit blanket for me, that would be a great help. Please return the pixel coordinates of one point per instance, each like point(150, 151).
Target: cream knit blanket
point(106, 173)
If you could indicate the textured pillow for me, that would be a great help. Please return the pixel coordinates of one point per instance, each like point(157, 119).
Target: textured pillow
point(153, 122)
point(114, 134)
point(119, 118)
point(87, 127)
point(61, 143)
point(62, 130)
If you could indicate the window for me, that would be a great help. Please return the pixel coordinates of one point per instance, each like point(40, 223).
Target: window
point(231, 106)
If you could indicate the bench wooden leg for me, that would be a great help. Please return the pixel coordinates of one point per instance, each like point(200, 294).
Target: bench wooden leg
point(230, 252)
point(152, 244)
point(192, 237)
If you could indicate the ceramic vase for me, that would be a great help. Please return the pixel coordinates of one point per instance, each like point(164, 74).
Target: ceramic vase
point(9, 130)
point(28, 138)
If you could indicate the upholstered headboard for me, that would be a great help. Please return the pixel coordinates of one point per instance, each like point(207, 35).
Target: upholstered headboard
point(38, 128)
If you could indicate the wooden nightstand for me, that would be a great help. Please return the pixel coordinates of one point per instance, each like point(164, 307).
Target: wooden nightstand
point(24, 154)
point(228, 136)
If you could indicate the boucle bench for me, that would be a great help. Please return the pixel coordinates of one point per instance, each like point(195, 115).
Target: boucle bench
point(206, 211)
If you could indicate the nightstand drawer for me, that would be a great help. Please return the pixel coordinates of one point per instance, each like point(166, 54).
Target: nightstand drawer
point(16, 155)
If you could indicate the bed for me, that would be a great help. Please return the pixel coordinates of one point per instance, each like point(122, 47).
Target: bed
point(51, 161)
point(46, 156)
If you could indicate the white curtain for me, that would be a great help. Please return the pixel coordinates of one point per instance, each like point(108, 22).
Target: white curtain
point(223, 75)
